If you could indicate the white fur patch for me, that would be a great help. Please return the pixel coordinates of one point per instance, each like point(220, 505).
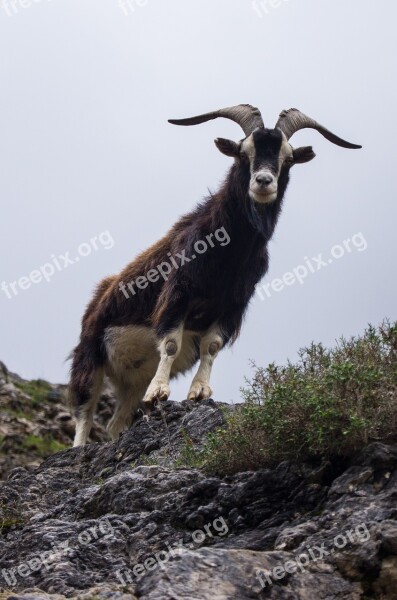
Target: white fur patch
point(256, 191)
point(210, 345)
point(133, 360)
point(133, 354)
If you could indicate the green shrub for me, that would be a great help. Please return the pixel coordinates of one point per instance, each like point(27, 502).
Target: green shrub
point(330, 403)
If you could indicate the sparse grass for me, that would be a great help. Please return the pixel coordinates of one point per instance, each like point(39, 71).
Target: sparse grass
point(160, 459)
point(189, 455)
point(17, 413)
point(43, 446)
point(37, 389)
point(10, 516)
point(330, 403)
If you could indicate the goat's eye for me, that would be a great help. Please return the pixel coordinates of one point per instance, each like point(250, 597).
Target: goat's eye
point(289, 160)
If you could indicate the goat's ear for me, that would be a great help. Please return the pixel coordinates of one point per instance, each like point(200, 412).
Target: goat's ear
point(227, 147)
point(303, 155)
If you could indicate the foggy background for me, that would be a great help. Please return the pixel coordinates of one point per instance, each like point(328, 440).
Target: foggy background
point(85, 148)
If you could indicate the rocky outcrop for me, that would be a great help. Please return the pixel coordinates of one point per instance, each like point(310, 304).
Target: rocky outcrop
point(131, 519)
point(35, 421)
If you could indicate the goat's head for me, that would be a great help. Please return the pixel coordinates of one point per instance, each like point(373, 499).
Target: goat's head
point(267, 153)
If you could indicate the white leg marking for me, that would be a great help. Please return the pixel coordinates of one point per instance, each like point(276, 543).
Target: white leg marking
point(85, 419)
point(170, 347)
point(210, 345)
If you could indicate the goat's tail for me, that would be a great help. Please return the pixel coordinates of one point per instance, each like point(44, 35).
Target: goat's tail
point(82, 376)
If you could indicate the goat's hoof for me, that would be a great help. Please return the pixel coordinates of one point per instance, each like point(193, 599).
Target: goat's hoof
point(158, 391)
point(199, 391)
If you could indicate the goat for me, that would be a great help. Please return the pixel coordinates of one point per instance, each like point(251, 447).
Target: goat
point(141, 340)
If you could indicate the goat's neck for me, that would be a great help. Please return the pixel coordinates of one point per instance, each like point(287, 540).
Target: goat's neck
point(245, 216)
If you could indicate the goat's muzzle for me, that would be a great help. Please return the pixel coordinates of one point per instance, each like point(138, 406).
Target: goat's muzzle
point(263, 187)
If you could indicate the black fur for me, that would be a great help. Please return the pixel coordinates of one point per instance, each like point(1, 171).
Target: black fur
point(216, 287)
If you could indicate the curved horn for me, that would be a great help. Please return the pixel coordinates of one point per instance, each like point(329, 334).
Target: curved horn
point(247, 116)
point(292, 120)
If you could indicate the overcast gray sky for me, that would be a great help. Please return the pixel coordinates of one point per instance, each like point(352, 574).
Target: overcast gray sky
point(87, 87)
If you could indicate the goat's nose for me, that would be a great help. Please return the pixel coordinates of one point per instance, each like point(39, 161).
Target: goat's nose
point(264, 179)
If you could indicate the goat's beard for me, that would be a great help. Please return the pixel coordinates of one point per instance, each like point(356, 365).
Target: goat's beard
point(263, 198)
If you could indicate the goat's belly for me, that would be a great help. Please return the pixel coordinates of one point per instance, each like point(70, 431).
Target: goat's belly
point(132, 353)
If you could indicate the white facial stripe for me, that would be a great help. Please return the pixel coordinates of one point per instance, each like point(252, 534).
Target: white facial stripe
point(248, 147)
point(261, 191)
point(285, 152)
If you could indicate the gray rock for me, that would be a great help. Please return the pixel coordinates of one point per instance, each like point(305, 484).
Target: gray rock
point(3, 374)
point(209, 574)
point(103, 521)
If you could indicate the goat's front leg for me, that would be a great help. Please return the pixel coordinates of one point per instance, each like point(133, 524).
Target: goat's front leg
point(210, 345)
point(170, 346)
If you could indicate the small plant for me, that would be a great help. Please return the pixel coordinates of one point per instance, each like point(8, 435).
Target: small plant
point(189, 455)
point(331, 403)
point(43, 446)
point(10, 516)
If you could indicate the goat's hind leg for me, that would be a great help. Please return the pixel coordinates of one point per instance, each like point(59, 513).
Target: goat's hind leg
point(84, 390)
point(129, 402)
